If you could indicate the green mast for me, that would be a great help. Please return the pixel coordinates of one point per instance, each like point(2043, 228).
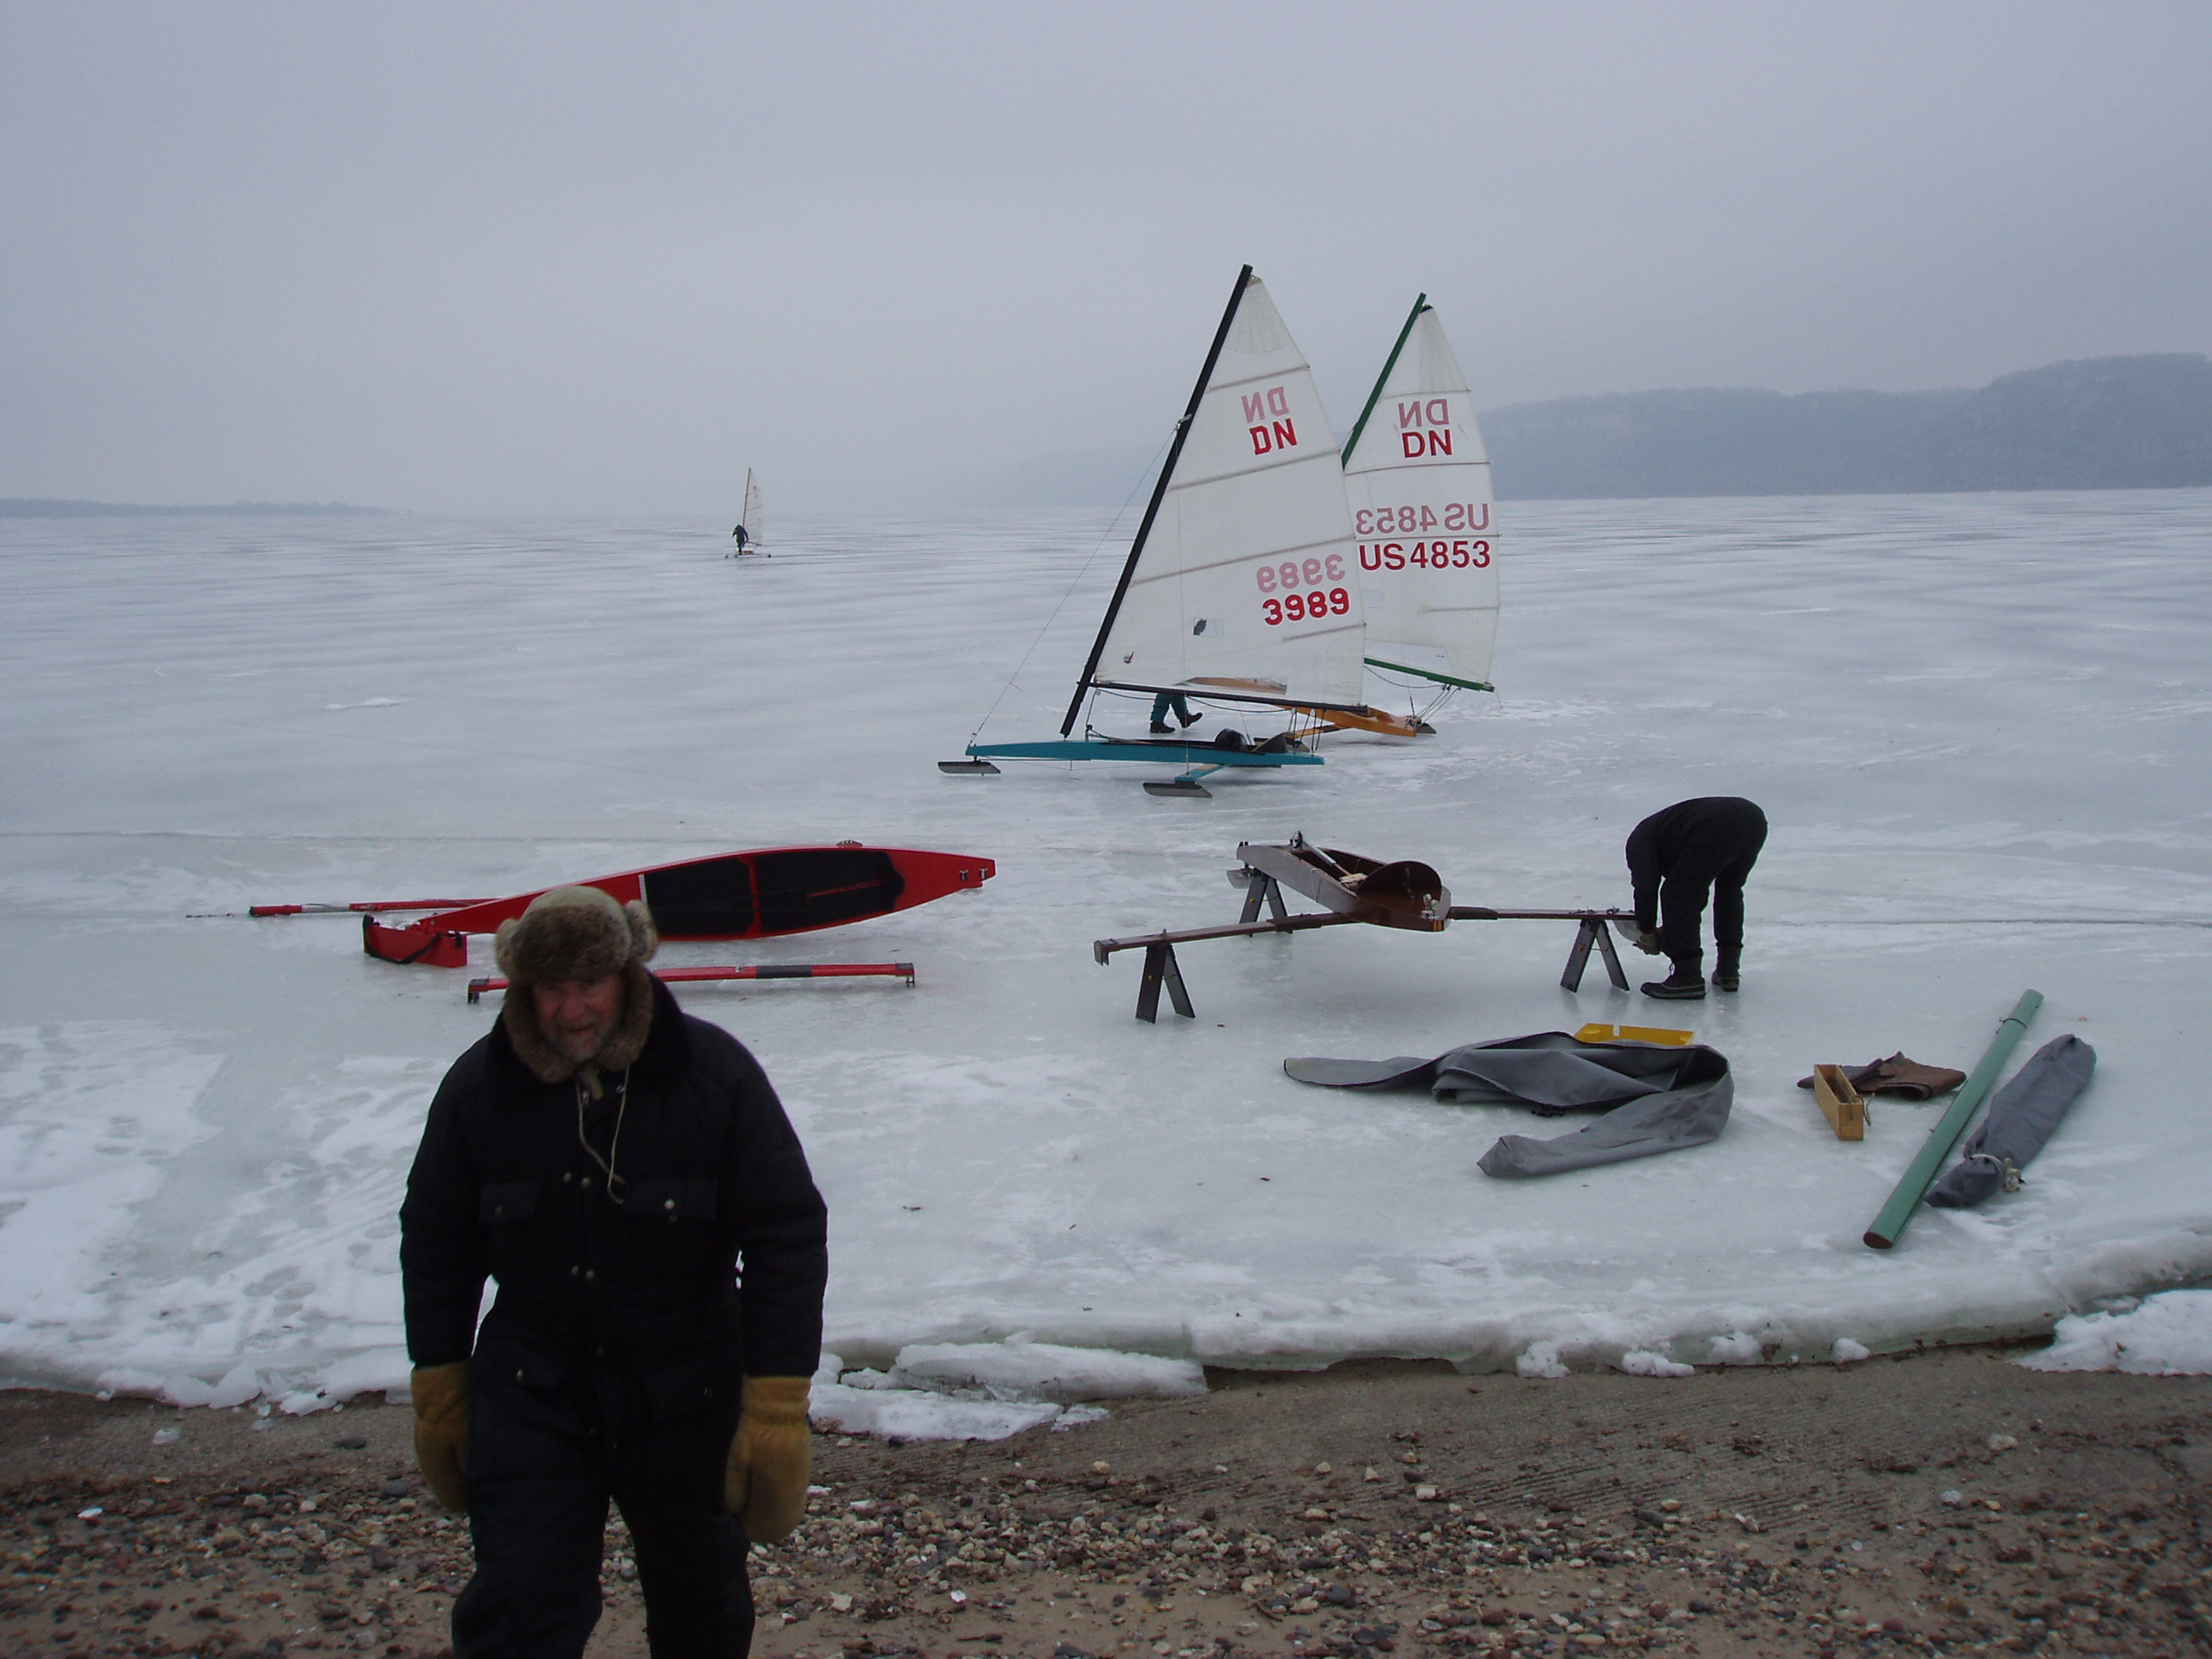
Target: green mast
point(1421, 304)
point(1920, 1174)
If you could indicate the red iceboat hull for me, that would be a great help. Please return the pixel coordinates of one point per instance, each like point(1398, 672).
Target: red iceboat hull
point(760, 894)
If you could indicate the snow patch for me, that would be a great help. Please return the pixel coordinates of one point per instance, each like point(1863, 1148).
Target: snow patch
point(988, 1391)
point(2166, 1335)
point(1643, 1362)
point(1540, 1359)
point(1737, 1348)
point(1021, 1370)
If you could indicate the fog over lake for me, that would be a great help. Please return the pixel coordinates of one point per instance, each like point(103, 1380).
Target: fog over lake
point(512, 259)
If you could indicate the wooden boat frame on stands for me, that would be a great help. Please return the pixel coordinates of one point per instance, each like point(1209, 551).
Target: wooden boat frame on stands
point(1402, 894)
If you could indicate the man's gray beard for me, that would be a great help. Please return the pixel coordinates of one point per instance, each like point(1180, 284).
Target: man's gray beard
point(568, 1045)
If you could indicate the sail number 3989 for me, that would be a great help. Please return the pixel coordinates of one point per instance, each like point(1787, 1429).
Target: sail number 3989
point(1301, 608)
point(1291, 606)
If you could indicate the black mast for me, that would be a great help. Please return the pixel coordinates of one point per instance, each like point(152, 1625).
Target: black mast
point(1159, 493)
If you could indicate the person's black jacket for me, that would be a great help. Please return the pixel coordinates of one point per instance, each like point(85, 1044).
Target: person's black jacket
point(1698, 838)
point(709, 1172)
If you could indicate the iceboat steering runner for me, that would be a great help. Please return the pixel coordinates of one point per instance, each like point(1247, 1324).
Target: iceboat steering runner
point(1242, 585)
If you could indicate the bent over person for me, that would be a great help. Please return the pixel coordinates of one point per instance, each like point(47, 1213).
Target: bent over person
point(611, 1163)
point(1678, 856)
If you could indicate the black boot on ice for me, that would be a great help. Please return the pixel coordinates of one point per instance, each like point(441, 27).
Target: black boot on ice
point(1677, 987)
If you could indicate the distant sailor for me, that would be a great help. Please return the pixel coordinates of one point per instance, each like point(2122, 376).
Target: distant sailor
point(1176, 701)
point(1678, 857)
point(739, 536)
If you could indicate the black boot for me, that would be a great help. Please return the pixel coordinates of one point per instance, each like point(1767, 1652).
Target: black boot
point(1162, 729)
point(1683, 985)
point(1724, 976)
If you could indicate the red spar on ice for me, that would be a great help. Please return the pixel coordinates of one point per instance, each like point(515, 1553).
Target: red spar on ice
point(905, 970)
point(375, 906)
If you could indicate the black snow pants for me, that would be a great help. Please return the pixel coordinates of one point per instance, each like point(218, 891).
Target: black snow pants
point(544, 1461)
point(1715, 861)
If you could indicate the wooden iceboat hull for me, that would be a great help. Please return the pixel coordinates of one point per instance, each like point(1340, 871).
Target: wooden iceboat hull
point(1400, 893)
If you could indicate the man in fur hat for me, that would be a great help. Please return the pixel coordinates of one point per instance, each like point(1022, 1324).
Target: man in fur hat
point(610, 1161)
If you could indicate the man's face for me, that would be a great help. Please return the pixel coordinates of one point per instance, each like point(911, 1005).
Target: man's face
point(579, 1015)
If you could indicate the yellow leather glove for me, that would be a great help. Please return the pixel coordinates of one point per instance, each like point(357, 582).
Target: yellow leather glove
point(765, 1481)
point(442, 1430)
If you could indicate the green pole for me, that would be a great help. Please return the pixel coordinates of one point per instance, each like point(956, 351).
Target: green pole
point(1920, 1175)
point(1421, 304)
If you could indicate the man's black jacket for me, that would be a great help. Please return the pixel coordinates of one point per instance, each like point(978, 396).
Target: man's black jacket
point(708, 1172)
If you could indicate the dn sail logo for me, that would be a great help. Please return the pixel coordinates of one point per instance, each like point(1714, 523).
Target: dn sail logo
point(1266, 421)
point(1425, 428)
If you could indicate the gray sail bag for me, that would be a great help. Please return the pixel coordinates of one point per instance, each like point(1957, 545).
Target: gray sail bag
point(1653, 1099)
point(2026, 1113)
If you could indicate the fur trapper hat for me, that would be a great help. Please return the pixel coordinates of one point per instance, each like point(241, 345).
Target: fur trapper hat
point(574, 933)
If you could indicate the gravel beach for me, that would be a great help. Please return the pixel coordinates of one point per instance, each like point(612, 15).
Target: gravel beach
point(1943, 1502)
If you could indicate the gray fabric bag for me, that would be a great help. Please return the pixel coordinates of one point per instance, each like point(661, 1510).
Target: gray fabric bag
point(1654, 1099)
point(2025, 1113)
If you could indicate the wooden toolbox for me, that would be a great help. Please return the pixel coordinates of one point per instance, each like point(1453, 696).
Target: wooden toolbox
point(1839, 1103)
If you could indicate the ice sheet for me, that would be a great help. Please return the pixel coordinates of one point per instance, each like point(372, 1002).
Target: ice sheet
point(1980, 726)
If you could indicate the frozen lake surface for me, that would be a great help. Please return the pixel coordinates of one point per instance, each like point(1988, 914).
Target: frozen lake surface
point(1980, 726)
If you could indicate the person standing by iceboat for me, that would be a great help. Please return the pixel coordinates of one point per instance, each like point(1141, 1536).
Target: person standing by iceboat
point(1679, 857)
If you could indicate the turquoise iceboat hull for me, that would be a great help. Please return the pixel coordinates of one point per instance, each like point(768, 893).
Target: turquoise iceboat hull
point(1164, 750)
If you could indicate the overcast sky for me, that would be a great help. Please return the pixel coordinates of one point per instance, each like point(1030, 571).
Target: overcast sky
point(508, 257)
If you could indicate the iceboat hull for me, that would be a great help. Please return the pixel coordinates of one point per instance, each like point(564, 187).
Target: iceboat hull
point(1167, 751)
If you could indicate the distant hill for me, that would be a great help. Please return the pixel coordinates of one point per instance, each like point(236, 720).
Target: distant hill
point(1711, 443)
point(2112, 422)
point(29, 509)
point(2107, 424)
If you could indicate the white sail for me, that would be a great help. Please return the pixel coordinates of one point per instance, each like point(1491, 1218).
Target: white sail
point(752, 519)
point(1417, 481)
point(1246, 583)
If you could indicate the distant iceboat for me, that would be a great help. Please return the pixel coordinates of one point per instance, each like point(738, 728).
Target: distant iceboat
point(747, 533)
point(1241, 585)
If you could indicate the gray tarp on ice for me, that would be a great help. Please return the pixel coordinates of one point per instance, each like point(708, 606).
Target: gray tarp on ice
point(2023, 1115)
point(1653, 1099)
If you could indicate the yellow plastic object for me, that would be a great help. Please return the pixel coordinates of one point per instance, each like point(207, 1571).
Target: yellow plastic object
point(1595, 1034)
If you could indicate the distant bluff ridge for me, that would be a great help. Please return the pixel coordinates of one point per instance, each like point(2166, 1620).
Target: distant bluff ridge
point(2108, 422)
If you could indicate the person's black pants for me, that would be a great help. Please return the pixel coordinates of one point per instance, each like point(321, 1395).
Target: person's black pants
point(1716, 863)
point(543, 1465)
